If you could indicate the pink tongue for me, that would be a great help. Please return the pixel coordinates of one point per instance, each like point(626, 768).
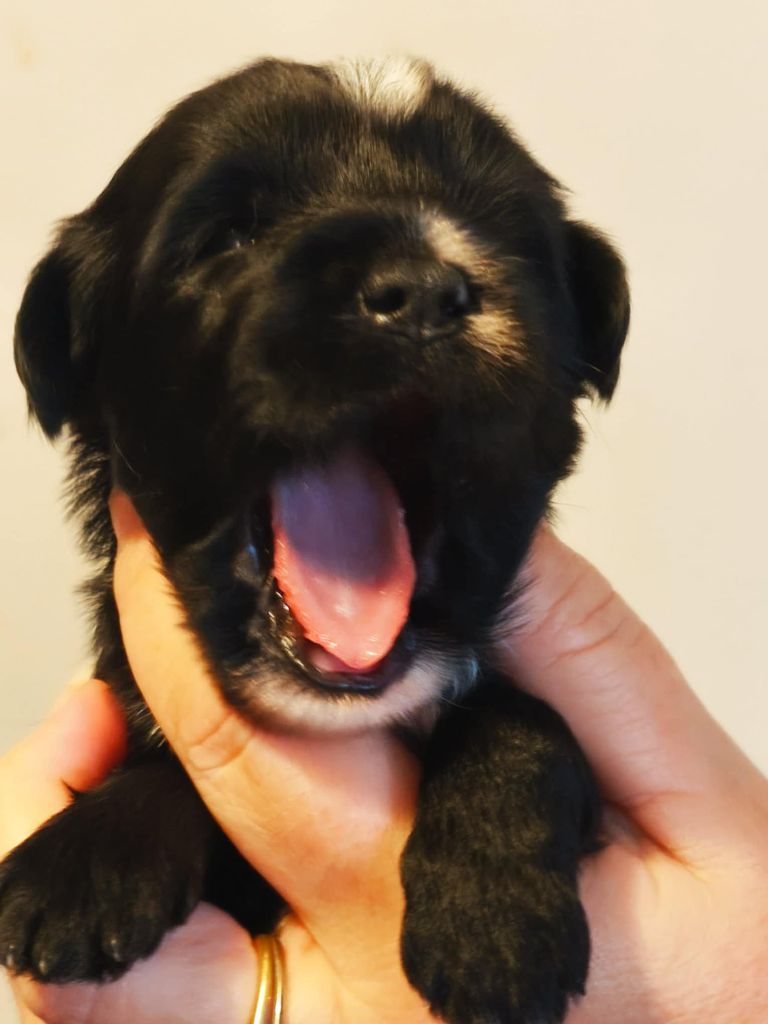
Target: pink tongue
point(343, 559)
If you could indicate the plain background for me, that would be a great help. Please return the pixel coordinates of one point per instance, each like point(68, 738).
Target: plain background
point(653, 113)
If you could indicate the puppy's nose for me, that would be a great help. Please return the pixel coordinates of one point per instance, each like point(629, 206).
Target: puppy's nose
point(424, 299)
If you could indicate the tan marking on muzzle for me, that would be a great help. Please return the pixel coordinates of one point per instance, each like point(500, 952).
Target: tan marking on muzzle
point(493, 330)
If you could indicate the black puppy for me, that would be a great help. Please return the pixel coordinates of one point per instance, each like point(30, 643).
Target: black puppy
point(327, 327)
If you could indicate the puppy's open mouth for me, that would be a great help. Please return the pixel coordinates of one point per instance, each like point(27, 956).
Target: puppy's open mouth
point(348, 535)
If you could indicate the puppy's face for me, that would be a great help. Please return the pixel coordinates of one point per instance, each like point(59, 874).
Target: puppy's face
point(327, 327)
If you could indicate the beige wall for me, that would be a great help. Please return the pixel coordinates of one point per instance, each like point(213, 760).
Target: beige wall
point(654, 113)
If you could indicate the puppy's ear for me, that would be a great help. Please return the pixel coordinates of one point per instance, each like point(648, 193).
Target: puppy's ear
point(599, 287)
point(51, 346)
point(42, 344)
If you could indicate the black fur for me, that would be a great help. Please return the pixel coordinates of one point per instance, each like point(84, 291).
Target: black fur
point(198, 330)
point(534, 815)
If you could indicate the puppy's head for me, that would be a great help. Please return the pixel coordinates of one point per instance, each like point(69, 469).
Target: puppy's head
point(327, 327)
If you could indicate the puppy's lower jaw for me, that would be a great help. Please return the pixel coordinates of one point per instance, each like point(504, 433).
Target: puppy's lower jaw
point(412, 699)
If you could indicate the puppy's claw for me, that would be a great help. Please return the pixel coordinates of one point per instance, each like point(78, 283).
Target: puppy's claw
point(115, 949)
point(11, 959)
point(43, 967)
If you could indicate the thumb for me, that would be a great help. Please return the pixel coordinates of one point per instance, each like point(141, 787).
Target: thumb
point(72, 749)
point(322, 819)
point(656, 751)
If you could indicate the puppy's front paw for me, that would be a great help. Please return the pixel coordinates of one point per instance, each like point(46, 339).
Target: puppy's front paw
point(512, 954)
point(494, 932)
point(92, 892)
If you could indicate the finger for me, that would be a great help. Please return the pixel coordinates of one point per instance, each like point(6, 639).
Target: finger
point(25, 1015)
point(76, 745)
point(203, 972)
point(324, 820)
point(655, 749)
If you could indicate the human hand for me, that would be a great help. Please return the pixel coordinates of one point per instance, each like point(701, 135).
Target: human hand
point(678, 899)
point(659, 756)
point(324, 820)
point(205, 972)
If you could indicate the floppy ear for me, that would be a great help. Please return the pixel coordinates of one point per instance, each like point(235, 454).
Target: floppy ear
point(599, 287)
point(53, 339)
point(43, 346)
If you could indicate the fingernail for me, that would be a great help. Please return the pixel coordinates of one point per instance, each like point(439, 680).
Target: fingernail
point(125, 519)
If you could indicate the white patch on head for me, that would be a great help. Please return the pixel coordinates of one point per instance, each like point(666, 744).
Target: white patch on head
point(281, 701)
point(394, 85)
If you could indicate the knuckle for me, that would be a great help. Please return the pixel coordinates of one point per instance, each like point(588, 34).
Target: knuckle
point(596, 621)
point(217, 746)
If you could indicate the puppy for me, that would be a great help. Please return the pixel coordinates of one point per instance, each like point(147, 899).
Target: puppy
point(327, 327)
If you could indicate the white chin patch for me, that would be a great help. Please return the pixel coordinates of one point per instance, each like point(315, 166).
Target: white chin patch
point(394, 85)
point(279, 700)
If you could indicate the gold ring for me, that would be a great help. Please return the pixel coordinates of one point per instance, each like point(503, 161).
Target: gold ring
point(268, 1008)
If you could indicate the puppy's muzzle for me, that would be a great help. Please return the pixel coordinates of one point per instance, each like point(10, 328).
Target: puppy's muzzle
point(423, 299)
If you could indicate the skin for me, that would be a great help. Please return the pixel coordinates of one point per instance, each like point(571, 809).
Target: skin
point(677, 899)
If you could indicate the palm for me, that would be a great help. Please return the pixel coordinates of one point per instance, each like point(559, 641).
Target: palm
point(648, 909)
